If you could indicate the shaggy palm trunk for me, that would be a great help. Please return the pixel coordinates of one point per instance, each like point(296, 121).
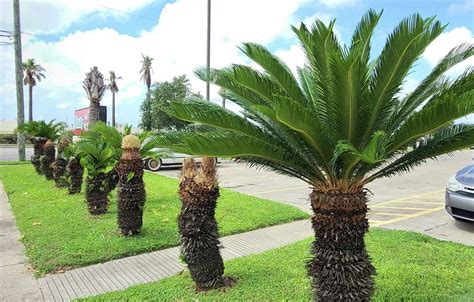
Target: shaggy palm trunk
point(47, 159)
point(94, 110)
point(60, 164)
point(37, 153)
point(131, 188)
point(75, 172)
point(59, 173)
point(96, 194)
point(112, 179)
point(340, 269)
point(197, 225)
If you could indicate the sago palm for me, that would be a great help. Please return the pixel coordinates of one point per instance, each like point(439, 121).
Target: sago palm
point(94, 87)
point(338, 124)
point(41, 132)
point(145, 72)
point(113, 87)
point(33, 73)
point(97, 159)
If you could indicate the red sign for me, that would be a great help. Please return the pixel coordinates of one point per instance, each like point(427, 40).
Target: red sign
point(81, 120)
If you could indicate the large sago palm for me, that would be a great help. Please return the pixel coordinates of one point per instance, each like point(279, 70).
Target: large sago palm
point(33, 73)
point(338, 124)
point(94, 87)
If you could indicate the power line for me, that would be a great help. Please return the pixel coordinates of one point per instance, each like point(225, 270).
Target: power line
point(125, 12)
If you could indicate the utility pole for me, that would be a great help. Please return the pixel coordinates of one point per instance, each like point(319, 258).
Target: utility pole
point(208, 65)
point(20, 114)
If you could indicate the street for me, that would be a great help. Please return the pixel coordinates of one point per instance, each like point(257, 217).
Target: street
point(10, 152)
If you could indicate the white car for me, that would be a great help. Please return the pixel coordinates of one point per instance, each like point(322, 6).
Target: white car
point(173, 159)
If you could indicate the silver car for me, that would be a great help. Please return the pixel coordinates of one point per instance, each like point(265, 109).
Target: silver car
point(459, 195)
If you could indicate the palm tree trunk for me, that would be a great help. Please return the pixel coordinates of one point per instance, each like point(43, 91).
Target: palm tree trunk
point(131, 192)
point(96, 194)
point(30, 103)
point(37, 153)
point(59, 173)
point(47, 159)
point(113, 109)
point(74, 171)
point(94, 109)
point(198, 228)
point(340, 268)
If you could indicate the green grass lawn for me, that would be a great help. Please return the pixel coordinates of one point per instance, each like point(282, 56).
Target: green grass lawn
point(410, 267)
point(59, 233)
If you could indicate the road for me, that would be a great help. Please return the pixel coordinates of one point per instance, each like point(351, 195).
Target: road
point(412, 201)
point(11, 152)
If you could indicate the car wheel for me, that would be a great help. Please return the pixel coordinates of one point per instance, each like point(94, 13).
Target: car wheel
point(153, 164)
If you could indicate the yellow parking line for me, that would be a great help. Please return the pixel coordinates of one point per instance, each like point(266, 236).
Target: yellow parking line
point(409, 197)
point(421, 202)
point(399, 208)
point(388, 214)
point(408, 216)
point(279, 190)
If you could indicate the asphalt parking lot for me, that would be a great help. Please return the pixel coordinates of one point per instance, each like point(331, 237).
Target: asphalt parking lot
point(413, 201)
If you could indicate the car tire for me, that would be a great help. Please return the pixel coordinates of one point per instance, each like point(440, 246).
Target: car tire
point(153, 164)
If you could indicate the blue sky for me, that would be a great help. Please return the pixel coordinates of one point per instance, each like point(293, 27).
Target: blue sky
point(70, 37)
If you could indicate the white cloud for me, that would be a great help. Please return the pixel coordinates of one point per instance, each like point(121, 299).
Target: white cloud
point(338, 3)
point(52, 16)
point(293, 56)
point(177, 44)
point(64, 105)
point(447, 41)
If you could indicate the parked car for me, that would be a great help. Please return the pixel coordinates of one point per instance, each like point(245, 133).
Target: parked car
point(459, 195)
point(170, 159)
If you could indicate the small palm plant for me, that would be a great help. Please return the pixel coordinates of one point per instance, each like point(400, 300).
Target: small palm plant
point(131, 188)
point(198, 228)
point(41, 131)
point(113, 87)
point(145, 72)
point(94, 87)
point(97, 158)
point(338, 124)
point(60, 164)
point(33, 73)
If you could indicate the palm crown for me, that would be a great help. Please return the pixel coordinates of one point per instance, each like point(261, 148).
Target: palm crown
point(51, 130)
point(342, 121)
point(145, 71)
point(112, 85)
point(94, 85)
point(33, 72)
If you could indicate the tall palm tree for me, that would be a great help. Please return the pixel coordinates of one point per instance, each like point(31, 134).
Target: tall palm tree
point(94, 87)
point(145, 72)
point(338, 124)
point(33, 73)
point(112, 86)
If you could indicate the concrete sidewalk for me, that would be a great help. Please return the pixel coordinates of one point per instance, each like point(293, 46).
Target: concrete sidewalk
point(122, 273)
point(17, 281)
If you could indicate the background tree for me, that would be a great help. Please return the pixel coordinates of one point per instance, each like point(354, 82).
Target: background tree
point(112, 86)
point(145, 71)
point(94, 87)
point(338, 124)
point(153, 109)
point(33, 73)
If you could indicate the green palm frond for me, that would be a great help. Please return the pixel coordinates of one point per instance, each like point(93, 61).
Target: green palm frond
point(51, 130)
point(342, 116)
point(402, 49)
